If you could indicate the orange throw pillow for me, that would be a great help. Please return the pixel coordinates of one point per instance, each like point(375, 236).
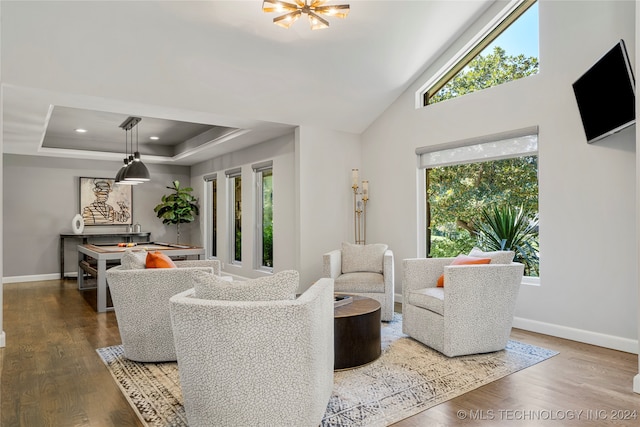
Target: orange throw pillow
point(158, 259)
point(464, 260)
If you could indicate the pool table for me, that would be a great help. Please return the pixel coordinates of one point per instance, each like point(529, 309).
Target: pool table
point(113, 253)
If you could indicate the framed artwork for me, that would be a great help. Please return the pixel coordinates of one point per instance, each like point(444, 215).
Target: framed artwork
point(103, 202)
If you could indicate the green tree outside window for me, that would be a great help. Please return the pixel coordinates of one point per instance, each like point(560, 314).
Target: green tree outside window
point(457, 195)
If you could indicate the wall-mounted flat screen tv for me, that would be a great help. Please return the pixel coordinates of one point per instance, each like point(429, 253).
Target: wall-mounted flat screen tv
point(606, 95)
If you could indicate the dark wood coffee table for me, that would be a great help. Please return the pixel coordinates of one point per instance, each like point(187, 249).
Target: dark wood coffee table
point(356, 333)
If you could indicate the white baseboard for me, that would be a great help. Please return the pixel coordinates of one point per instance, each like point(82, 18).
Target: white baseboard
point(636, 384)
point(580, 335)
point(397, 298)
point(3, 341)
point(33, 278)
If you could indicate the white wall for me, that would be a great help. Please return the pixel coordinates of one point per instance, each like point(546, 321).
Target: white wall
point(325, 209)
point(2, 334)
point(312, 203)
point(40, 197)
point(588, 250)
point(281, 152)
point(636, 380)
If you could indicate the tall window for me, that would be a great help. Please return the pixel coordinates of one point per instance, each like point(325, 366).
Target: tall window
point(212, 192)
point(264, 215)
point(234, 178)
point(476, 187)
point(506, 50)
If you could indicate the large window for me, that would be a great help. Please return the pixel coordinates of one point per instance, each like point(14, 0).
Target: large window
point(234, 179)
point(506, 50)
point(484, 193)
point(212, 230)
point(264, 215)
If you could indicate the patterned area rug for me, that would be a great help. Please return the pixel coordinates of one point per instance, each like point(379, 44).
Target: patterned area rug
point(408, 378)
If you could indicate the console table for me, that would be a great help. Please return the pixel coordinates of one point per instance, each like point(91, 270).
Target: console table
point(85, 237)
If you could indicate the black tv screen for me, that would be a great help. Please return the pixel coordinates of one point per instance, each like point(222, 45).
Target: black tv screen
point(606, 95)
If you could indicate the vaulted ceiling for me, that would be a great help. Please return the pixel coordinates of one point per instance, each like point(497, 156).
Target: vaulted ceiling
point(207, 77)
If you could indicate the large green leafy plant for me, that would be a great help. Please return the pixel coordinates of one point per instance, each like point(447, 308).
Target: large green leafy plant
point(179, 207)
point(506, 227)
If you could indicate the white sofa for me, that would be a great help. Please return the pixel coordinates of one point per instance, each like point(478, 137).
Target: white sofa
point(255, 363)
point(365, 270)
point(472, 313)
point(141, 303)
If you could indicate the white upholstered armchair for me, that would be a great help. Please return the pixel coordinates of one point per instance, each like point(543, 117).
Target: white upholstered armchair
point(141, 302)
point(472, 312)
point(365, 270)
point(255, 363)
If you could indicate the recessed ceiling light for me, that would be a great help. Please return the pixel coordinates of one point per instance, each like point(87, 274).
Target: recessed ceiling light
point(155, 138)
point(81, 130)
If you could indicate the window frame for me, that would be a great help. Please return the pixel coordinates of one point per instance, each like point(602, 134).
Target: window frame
point(211, 183)
point(472, 49)
point(423, 166)
point(258, 170)
point(232, 175)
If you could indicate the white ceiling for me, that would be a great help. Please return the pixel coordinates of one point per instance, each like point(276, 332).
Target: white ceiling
point(91, 64)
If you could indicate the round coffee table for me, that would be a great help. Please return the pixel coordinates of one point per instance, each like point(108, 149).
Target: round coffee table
point(356, 332)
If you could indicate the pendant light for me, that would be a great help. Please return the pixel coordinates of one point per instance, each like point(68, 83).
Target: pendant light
point(120, 175)
point(136, 171)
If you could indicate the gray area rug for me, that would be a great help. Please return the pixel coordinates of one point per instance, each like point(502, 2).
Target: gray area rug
point(408, 378)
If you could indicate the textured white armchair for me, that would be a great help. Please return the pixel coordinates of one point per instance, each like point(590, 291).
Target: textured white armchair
point(472, 313)
point(255, 363)
point(141, 302)
point(365, 270)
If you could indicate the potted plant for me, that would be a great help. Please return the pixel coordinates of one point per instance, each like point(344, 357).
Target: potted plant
point(179, 207)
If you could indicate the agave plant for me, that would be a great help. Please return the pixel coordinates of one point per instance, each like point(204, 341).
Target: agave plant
point(177, 208)
point(510, 228)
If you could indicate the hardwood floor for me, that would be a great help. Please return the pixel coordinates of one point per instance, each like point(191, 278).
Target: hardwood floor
point(51, 375)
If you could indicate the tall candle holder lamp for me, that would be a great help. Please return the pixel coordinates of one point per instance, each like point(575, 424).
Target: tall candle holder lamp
point(360, 199)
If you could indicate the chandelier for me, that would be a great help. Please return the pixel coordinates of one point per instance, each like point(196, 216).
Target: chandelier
point(312, 8)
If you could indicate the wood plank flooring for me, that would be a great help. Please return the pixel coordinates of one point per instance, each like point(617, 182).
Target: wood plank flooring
point(50, 374)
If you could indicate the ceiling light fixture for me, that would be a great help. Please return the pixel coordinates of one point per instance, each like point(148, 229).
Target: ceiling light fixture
point(312, 8)
point(81, 130)
point(135, 171)
point(127, 161)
